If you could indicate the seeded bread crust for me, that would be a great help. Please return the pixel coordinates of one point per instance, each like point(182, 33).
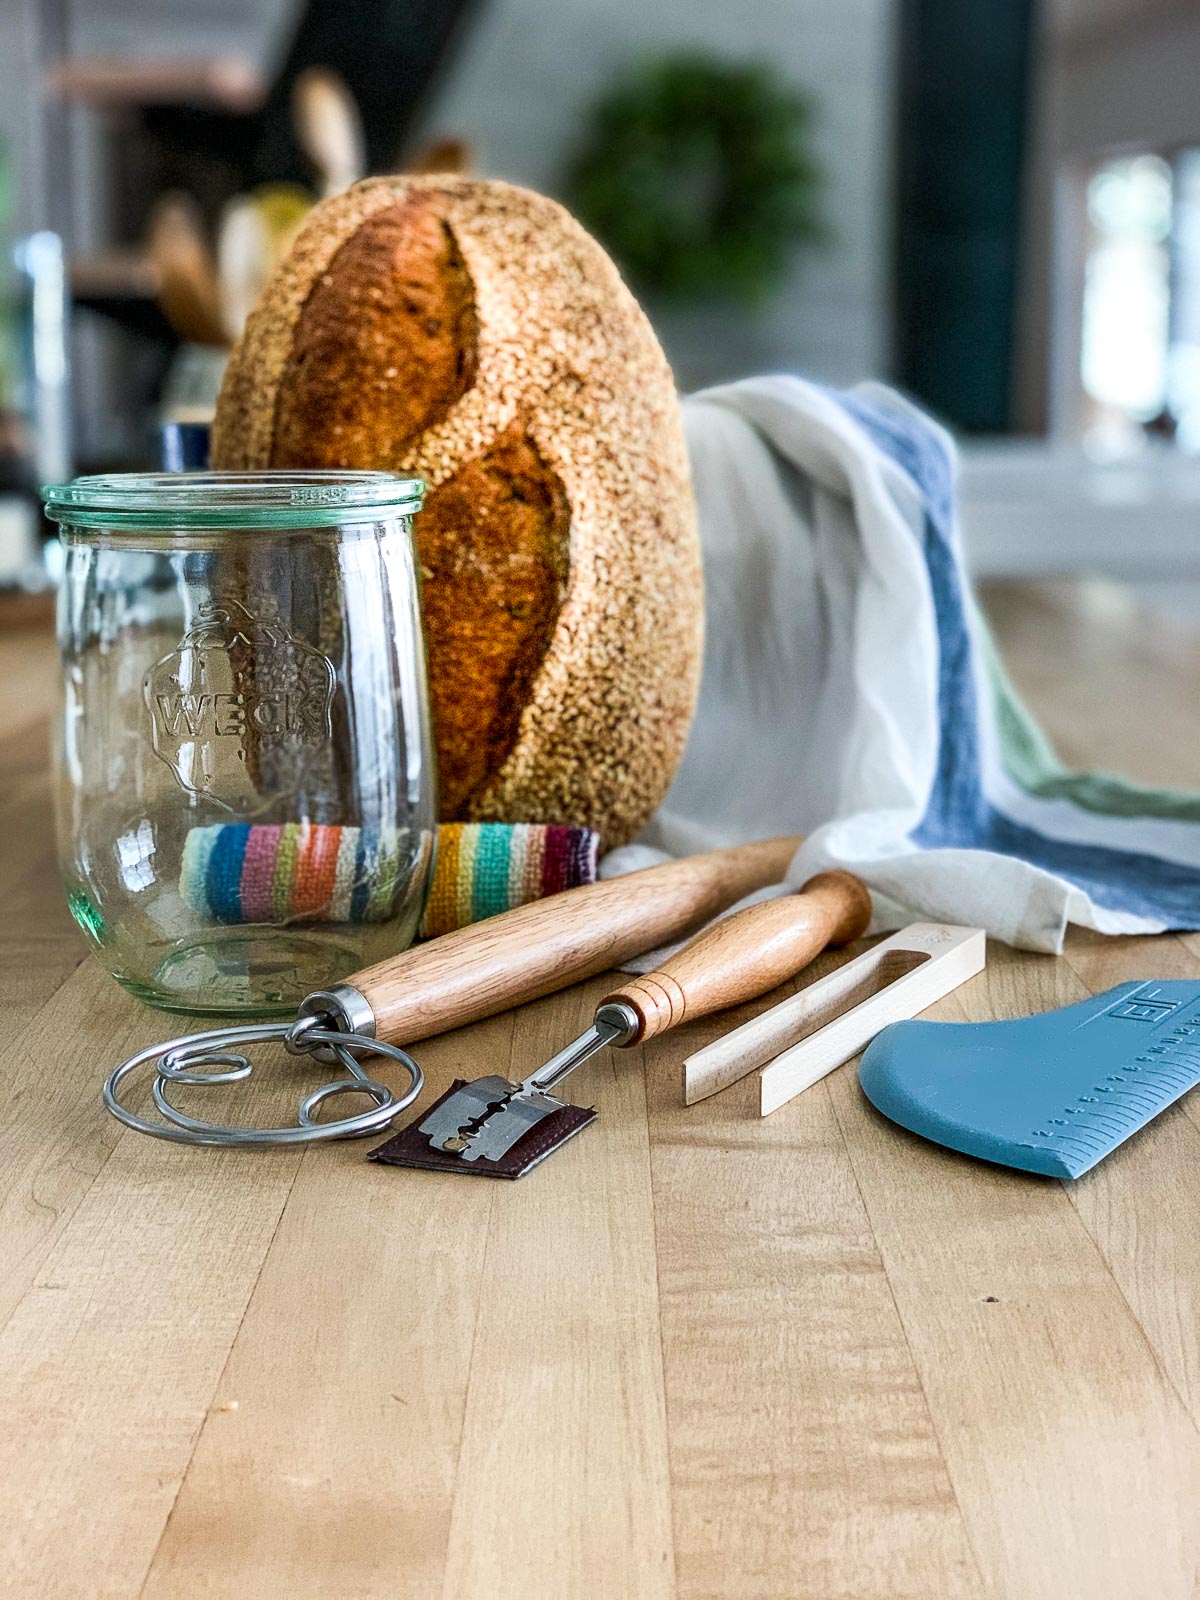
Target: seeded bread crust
point(473, 334)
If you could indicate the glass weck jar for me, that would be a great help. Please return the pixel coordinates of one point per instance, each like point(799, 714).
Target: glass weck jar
point(245, 785)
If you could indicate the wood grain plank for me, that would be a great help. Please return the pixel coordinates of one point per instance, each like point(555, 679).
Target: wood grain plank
point(40, 945)
point(108, 1364)
point(336, 1473)
point(562, 1485)
point(39, 967)
point(880, 1369)
point(55, 1136)
point(27, 823)
point(28, 678)
point(24, 754)
point(804, 1460)
point(1074, 1462)
point(131, 1266)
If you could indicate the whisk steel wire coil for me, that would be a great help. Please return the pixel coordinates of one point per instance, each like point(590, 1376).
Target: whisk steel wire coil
point(186, 1062)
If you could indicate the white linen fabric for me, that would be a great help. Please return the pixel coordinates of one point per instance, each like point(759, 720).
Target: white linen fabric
point(835, 598)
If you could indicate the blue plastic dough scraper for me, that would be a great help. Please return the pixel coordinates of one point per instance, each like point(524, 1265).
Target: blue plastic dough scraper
point(1053, 1093)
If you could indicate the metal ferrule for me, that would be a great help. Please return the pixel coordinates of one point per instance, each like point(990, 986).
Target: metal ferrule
point(616, 1014)
point(349, 1010)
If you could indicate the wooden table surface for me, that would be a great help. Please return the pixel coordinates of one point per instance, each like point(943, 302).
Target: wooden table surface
point(696, 1354)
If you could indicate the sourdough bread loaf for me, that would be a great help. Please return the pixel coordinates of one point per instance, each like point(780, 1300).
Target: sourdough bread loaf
point(473, 334)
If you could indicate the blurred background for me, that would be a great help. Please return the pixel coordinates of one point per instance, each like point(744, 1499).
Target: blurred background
point(994, 207)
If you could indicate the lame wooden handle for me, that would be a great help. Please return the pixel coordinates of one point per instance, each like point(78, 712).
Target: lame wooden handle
point(550, 944)
point(748, 954)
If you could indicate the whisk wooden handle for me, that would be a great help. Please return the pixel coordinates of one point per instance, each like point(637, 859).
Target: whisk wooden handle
point(550, 944)
point(748, 954)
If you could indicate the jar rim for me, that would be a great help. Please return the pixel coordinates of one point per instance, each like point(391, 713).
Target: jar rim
point(267, 499)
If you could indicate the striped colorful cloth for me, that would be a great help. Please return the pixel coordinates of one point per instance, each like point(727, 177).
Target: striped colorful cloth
point(487, 867)
point(309, 872)
point(851, 692)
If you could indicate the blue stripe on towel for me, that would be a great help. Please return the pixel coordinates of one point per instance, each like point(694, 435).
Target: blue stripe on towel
point(959, 814)
point(224, 882)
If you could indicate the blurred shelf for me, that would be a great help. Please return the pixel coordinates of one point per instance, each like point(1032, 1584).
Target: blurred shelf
point(114, 275)
point(226, 83)
point(122, 285)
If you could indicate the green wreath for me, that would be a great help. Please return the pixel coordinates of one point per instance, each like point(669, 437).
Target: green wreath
point(698, 177)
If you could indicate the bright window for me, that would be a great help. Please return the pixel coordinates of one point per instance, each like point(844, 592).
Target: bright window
point(1140, 365)
point(1127, 297)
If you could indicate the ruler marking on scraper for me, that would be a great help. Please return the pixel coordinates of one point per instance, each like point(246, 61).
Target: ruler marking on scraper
point(1053, 1093)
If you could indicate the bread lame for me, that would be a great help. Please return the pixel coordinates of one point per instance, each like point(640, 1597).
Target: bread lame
point(480, 1124)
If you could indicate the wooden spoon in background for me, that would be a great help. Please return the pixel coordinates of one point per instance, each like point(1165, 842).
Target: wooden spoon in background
point(329, 129)
point(187, 278)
